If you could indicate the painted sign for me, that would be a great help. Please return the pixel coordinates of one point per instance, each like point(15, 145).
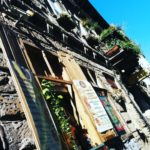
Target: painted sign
point(93, 104)
point(46, 131)
point(112, 115)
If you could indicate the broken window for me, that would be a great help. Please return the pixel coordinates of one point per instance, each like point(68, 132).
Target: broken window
point(56, 66)
point(43, 63)
point(57, 33)
point(111, 81)
point(37, 61)
point(90, 75)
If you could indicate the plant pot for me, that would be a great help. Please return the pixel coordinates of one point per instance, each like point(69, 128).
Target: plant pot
point(113, 51)
point(66, 22)
point(92, 41)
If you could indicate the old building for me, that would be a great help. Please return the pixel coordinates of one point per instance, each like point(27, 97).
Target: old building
point(65, 80)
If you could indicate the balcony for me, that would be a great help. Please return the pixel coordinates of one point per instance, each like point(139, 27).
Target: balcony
point(138, 76)
point(43, 25)
point(113, 51)
point(66, 22)
point(92, 40)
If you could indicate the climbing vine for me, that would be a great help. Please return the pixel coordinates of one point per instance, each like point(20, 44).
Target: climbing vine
point(54, 101)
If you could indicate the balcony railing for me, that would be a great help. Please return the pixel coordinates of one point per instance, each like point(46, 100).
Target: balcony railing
point(66, 22)
point(56, 32)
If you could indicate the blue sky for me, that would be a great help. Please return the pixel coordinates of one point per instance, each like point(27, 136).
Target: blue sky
point(132, 15)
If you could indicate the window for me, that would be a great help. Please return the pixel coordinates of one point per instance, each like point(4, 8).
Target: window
point(90, 75)
point(43, 63)
point(111, 81)
point(57, 7)
point(56, 66)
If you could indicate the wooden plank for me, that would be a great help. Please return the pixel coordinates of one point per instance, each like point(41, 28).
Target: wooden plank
point(54, 79)
point(48, 64)
point(34, 106)
point(33, 45)
point(23, 103)
point(74, 72)
point(37, 107)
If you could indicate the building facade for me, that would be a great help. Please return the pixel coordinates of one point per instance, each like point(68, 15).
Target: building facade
point(62, 84)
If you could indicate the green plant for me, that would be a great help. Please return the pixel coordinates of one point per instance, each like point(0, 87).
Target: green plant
point(92, 40)
point(132, 46)
point(107, 32)
point(96, 27)
point(66, 22)
point(111, 30)
point(121, 35)
point(89, 24)
point(65, 15)
point(119, 38)
point(55, 103)
point(111, 43)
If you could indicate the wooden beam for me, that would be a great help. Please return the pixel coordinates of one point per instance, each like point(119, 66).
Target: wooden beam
point(54, 79)
point(48, 64)
point(33, 45)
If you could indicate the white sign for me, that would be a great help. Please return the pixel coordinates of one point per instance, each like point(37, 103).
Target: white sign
point(93, 104)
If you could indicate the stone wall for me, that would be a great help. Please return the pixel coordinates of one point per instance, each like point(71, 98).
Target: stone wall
point(14, 131)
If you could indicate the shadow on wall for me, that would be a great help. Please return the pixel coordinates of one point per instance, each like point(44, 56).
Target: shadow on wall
point(141, 98)
point(3, 141)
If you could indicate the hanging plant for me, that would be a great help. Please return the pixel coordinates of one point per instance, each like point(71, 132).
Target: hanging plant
point(131, 46)
point(114, 31)
point(55, 103)
point(89, 24)
point(66, 22)
point(92, 40)
point(86, 23)
point(107, 32)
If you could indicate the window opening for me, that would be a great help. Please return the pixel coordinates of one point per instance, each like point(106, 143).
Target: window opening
point(48, 65)
point(67, 104)
point(111, 81)
point(86, 74)
point(92, 75)
point(56, 66)
point(37, 61)
point(44, 63)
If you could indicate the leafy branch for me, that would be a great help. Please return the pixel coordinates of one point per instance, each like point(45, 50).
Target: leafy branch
point(55, 102)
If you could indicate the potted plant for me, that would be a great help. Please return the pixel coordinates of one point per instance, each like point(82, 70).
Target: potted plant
point(92, 40)
point(113, 32)
point(89, 24)
point(113, 51)
point(131, 46)
point(107, 32)
point(66, 21)
point(113, 46)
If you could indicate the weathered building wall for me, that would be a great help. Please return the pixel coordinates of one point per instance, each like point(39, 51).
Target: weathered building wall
point(17, 134)
point(81, 61)
point(74, 72)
